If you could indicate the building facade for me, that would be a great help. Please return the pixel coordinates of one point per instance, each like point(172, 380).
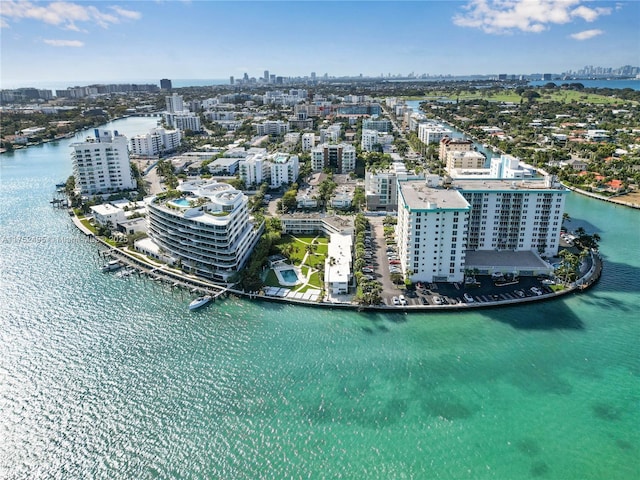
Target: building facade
point(101, 164)
point(156, 142)
point(284, 169)
point(431, 231)
point(340, 157)
point(208, 231)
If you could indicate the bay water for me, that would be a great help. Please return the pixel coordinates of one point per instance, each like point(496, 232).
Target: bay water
point(113, 378)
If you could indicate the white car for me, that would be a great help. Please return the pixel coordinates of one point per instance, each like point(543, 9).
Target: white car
point(403, 301)
point(437, 300)
point(395, 301)
point(468, 298)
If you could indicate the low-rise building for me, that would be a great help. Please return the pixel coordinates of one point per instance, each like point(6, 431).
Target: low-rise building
point(340, 158)
point(338, 273)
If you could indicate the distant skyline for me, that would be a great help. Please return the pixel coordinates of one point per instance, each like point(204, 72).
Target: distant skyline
point(75, 41)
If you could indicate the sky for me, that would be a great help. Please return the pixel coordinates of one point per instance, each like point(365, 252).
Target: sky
point(78, 41)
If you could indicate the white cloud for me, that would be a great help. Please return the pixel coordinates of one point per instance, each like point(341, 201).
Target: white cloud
point(64, 43)
point(64, 14)
point(587, 34)
point(506, 16)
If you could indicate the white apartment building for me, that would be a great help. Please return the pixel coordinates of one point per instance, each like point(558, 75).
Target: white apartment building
point(156, 142)
point(308, 141)
point(272, 127)
point(508, 166)
point(101, 164)
point(432, 133)
point(174, 103)
point(183, 121)
point(523, 215)
point(254, 169)
point(340, 157)
point(331, 133)
point(381, 186)
point(369, 139)
point(338, 272)
point(431, 231)
point(284, 169)
point(208, 230)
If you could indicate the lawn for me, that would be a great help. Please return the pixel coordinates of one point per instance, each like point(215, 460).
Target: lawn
point(297, 248)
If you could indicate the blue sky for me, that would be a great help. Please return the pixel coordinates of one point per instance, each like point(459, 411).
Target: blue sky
point(76, 41)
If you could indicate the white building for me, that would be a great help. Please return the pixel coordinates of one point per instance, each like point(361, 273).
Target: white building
point(431, 231)
point(369, 139)
point(208, 231)
point(432, 133)
point(183, 121)
point(508, 166)
point(383, 126)
point(340, 158)
point(308, 141)
point(284, 169)
point(174, 103)
point(156, 142)
point(337, 270)
point(254, 169)
point(331, 133)
point(101, 164)
point(106, 215)
point(272, 127)
point(523, 215)
point(381, 186)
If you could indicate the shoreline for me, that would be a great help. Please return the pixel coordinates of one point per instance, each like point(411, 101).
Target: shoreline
point(164, 273)
point(600, 197)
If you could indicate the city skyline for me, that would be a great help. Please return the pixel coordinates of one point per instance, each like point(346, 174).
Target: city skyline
point(76, 42)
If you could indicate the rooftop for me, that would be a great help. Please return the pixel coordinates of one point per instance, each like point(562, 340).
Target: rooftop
point(419, 196)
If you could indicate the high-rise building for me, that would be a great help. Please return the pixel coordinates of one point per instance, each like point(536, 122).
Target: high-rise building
point(174, 103)
point(101, 164)
point(266, 76)
point(232, 80)
point(212, 239)
point(156, 142)
point(165, 84)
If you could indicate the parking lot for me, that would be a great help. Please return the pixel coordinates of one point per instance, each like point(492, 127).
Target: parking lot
point(485, 289)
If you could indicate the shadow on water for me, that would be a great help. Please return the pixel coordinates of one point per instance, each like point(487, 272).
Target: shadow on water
point(552, 315)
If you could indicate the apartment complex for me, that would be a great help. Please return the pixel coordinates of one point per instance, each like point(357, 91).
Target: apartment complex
point(438, 223)
point(208, 230)
point(156, 142)
point(432, 133)
point(284, 169)
point(340, 157)
point(101, 164)
point(277, 169)
point(381, 186)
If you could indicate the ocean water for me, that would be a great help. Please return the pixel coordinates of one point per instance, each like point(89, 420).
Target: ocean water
point(112, 378)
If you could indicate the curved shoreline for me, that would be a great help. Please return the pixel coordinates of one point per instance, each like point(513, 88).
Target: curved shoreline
point(600, 197)
point(177, 278)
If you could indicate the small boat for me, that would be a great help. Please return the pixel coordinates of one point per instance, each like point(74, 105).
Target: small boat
point(111, 266)
point(200, 302)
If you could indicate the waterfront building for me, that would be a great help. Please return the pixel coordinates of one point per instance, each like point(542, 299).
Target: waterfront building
point(431, 230)
point(432, 133)
point(101, 164)
point(106, 215)
point(448, 144)
point(284, 169)
point(338, 273)
point(156, 142)
point(508, 166)
point(208, 230)
point(340, 157)
point(464, 160)
point(518, 216)
point(183, 121)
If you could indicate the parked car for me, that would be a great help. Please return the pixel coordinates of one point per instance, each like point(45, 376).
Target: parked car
point(403, 301)
point(520, 293)
point(424, 301)
point(395, 301)
point(468, 298)
point(536, 291)
point(367, 270)
point(394, 262)
point(437, 300)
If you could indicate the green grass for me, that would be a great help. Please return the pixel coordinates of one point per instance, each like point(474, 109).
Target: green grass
point(557, 288)
point(86, 223)
point(272, 279)
point(315, 281)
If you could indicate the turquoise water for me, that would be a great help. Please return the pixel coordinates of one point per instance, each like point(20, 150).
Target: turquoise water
point(113, 378)
point(180, 202)
point(289, 276)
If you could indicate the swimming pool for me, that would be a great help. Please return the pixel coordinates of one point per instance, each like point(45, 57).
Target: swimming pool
point(180, 202)
point(289, 275)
